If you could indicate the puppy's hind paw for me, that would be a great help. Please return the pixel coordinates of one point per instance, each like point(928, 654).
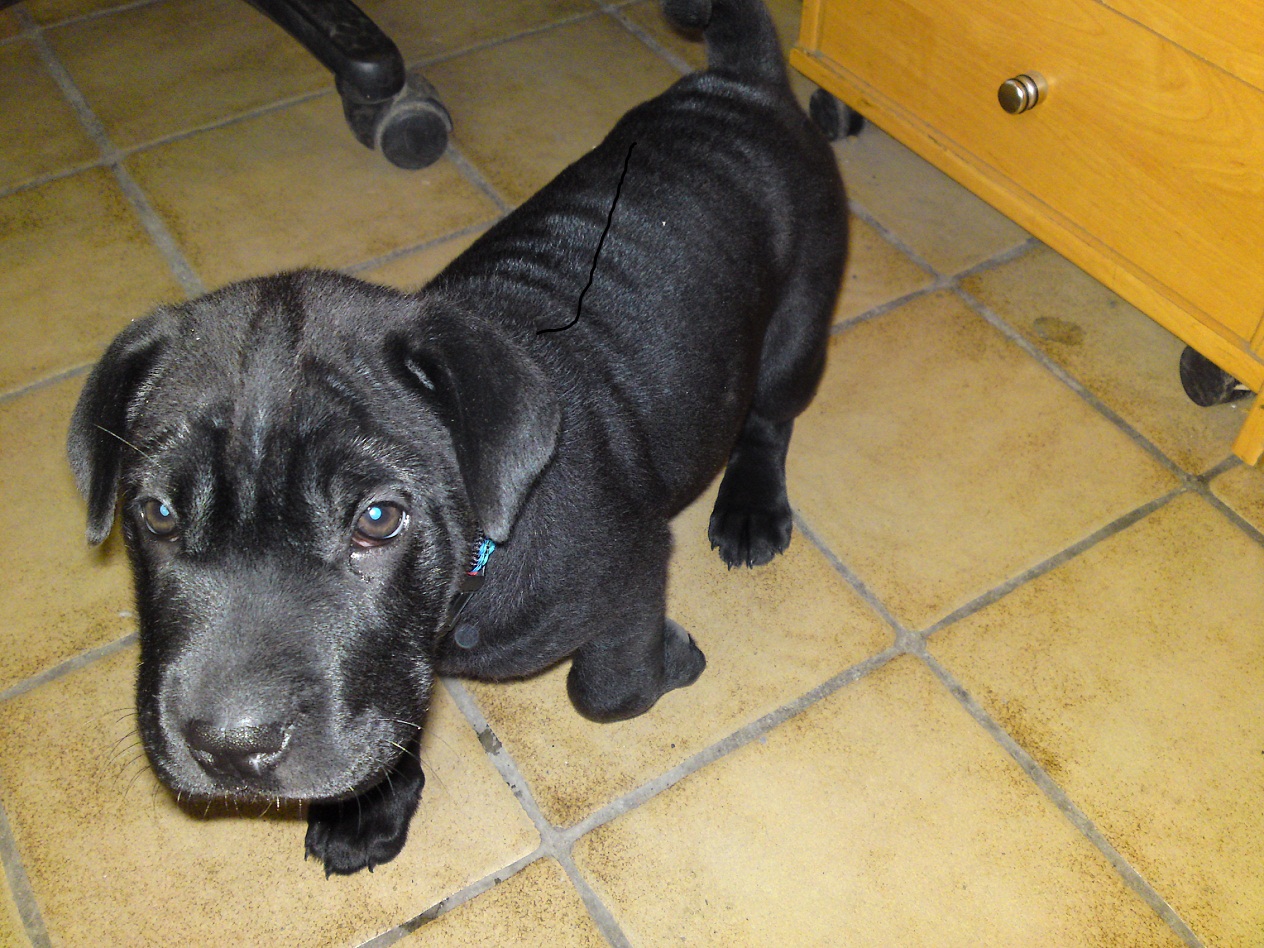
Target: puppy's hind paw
point(748, 536)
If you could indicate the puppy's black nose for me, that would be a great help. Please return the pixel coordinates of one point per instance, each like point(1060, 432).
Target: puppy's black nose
point(243, 749)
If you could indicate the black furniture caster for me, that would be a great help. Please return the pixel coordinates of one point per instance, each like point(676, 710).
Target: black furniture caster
point(386, 107)
point(410, 128)
point(835, 119)
point(1206, 383)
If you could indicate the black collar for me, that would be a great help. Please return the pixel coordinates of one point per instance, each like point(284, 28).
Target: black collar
point(471, 582)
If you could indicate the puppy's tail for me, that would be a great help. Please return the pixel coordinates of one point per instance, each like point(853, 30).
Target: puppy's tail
point(740, 35)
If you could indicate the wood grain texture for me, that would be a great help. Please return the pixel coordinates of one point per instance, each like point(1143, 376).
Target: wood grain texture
point(1229, 35)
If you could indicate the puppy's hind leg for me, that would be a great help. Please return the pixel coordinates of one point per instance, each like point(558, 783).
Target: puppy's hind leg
point(752, 521)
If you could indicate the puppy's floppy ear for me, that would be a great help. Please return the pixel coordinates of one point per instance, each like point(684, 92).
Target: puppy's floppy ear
point(98, 426)
point(498, 405)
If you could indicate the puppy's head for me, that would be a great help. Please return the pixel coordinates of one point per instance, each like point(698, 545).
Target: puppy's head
point(301, 464)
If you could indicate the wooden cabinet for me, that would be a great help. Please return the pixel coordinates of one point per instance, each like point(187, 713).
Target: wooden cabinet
point(1143, 161)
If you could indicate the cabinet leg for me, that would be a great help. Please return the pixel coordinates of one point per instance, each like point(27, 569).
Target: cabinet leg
point(835, 119)
point(1249, 445)
point(1206, 383)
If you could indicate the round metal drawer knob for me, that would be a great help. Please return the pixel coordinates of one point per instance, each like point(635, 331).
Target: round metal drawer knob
point(1022, 92)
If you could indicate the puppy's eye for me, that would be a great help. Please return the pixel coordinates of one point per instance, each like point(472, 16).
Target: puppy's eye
point(379, 523)
point(159, 519)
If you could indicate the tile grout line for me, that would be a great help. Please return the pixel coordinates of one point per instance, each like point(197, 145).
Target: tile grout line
point(552, 841)
point(890, 236)
point(1202, 487)
point(468, 170)
point(670, 57)
point(1049, 564)
point(747, 734)
point(99, 14)
point(67, 666)
point(939, 281)
point(1059, 797)
point(153, 225)
point(20, 886)
point(850, 577)
point(30, 387)
point(403, 253)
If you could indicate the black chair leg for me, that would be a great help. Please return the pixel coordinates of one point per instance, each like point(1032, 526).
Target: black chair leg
point(386, 107)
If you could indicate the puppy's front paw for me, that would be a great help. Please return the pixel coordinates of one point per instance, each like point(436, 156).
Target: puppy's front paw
point(363, 832)
point(749, 536)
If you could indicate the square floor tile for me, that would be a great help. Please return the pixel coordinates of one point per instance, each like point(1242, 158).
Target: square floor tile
point(1135, 675)
point(528, 108)
point(75, 267)
point(537, 906)
point(1243, 489)
point(941, 221)
point(39, 133)
point(114, 861)
point(292, 188)
point(882, 816)
point(424, 29)
point(414, 270)
point(60, 595)
point(939, 460)
point(239, 62)
point(769, 634)
point(1124, 358)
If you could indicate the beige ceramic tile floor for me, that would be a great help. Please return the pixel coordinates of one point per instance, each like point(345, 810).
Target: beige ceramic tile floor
point(1005, 687)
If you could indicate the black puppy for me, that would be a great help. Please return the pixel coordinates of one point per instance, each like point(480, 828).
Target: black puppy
point(307, 463)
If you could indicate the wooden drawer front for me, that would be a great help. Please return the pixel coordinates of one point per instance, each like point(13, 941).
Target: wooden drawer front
point(1153, 152)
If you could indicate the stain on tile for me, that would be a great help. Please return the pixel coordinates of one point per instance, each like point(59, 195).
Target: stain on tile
point(292, 188)
point(537, 906)
point(240, 62)
point(939, 460)
point(941, 221)
point(531, 106)
point(884, 812)
point(39, 133)
point(75, 267)
point(1124, 358)
point(113, 860)
point(1243, 489)
point(769, 634)
point(61, 596)
point(1136, 670)
point(1062, 331)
